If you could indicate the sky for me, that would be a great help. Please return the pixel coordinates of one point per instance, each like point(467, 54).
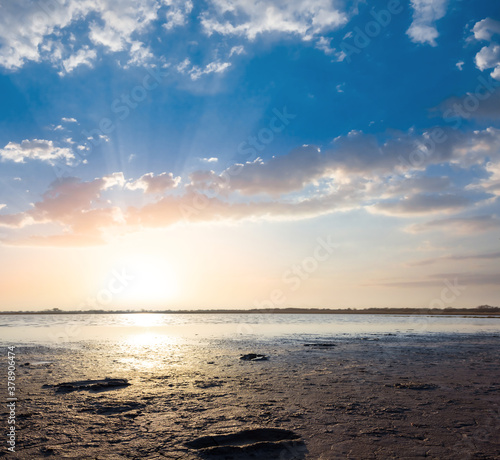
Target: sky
point(240, 154)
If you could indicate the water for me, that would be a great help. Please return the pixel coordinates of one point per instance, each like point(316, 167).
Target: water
point(63, 329)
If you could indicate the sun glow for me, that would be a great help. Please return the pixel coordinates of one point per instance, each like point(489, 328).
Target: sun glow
point(144, 319)
point(154, 282)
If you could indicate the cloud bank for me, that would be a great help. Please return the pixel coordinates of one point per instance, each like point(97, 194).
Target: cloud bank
point(356, 172)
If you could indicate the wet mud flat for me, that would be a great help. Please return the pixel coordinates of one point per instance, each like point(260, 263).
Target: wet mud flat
point(375, 397)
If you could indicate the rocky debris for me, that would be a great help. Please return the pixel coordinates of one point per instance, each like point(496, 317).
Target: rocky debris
point(254, 357)
point(109, 408)
point(320, 345)
point(89, 385)
point(258, 443)
point(414, 386)
point(208, 384)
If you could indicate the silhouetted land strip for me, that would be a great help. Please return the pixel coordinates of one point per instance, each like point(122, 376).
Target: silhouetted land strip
point(482, 310)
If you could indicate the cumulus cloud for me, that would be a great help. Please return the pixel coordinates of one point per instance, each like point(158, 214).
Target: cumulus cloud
point(470, 107)
point(83, 56)
point(177, 14)
point(304, 18)
point(489, 56)
point(357, 172)
point(27, 30)
point(139, 54)
point(150, 183)
point(36, 32)
point(74, 205)
point(490, 184)
point(354, 154)
point(486, 29)
point(425, 15)
point(36, 149)
point(80, 209)
point(197, 207)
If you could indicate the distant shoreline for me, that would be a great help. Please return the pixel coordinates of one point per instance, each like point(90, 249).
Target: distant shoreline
point(483, 311)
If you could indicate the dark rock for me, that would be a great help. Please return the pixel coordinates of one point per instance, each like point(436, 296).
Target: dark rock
point(254, 357)
point(90, 385)
point(262, 443)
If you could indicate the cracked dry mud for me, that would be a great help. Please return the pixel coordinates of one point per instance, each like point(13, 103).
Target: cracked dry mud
point(362, 399)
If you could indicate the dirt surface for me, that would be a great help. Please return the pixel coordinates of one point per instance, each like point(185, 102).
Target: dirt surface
point(375, 397)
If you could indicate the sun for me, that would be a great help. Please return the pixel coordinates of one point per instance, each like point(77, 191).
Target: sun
point(154, 282)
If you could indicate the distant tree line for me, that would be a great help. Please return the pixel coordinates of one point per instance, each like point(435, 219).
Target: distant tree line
point(480, 310)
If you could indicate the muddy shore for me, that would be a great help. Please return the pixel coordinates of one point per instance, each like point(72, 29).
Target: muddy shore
point(374, 397)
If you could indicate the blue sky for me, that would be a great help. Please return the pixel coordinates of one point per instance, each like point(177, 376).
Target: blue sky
point(375, 122)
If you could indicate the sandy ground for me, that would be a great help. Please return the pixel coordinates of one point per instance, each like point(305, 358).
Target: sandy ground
point(377, 397)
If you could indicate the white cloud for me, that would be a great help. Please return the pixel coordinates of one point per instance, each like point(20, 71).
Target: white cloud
point(2, 206)
point(36, 149)
point(210, 160)
point(485, 29)
point(28, 33)
point(195, 72)
point(355, 155)
point(460, 65)
point(213, 67)
point(182, 67)
point(139, 54)
point(113, 179)
point(84, 56)
point(121, 20)
point(425, 14)
point(237, 50)
point(150, 183)
point(357, 172)
point(69, 120)
point(27, 30)
point(305, 18)
point(177, 15)
point(324, 44)
point(491, 184)
point(489, 56)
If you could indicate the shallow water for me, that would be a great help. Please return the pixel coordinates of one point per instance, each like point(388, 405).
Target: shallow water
point(175, 328)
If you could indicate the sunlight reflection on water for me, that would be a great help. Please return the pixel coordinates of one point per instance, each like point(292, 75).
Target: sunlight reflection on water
point(160, 330)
